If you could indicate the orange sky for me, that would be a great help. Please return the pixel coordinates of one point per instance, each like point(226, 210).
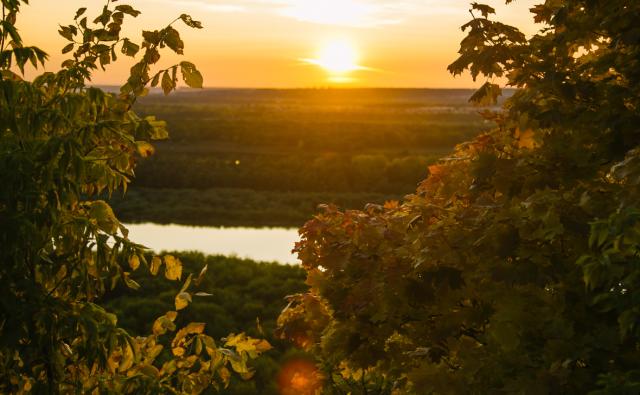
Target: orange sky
point(280, 43)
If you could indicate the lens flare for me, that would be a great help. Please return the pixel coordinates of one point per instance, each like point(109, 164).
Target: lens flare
point(299, 377)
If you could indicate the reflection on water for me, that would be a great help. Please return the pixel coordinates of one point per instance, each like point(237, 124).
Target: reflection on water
point(260, 244)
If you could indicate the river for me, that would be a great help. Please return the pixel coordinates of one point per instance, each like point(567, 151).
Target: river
point(258, 244)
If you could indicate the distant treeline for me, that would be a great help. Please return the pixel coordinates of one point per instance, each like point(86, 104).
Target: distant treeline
point(311, 173)
point(268, 157)
point(371, 140)
point(246, 296)
point(233, 207)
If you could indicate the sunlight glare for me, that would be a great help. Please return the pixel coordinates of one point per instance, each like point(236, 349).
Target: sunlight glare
point(338, 57)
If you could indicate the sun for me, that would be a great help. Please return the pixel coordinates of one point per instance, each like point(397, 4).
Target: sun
point(338, 57)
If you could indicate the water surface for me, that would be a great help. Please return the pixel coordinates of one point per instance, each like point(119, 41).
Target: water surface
point(259, 244)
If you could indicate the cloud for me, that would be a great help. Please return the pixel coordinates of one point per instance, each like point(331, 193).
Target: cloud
point(361, 13)
point(349, 13)
point(225, 8)
point(208, 5)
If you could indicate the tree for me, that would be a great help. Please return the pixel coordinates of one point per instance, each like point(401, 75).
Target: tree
point(514, 268)
point(63, 144)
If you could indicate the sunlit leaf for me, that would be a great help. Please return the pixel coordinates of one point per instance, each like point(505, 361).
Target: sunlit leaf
point(134, 262)
point(182, 300)
point(173, 267)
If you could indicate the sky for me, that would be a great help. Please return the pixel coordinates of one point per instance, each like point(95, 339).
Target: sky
point(293, 43)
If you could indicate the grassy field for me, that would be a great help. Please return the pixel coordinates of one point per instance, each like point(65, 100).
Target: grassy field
point(268, 157)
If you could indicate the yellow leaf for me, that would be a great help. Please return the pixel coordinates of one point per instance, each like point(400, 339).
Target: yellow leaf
point(526, 138)
point(171, 315)
point(155, 265)
point(210, 346)
point(249, 345)
point(168, 367)
point(150, 370)
point(130, 282)
point(103, 216)
point(238, 365)
point(192, 328)
point(178, 351)
point(144, 149)
point(127, 358)
point(134, 262)
point(173, 268)
point(186, 284)
point(225, 375)
point(263, 345)
point(154, 352)
point(182, 300)
point(164, 323)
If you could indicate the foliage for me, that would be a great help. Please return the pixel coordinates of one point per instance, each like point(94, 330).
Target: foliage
point(61, 144)
point(514, 268)
point(244, 295)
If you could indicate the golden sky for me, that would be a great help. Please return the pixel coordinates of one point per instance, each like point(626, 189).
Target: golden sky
point(294, 43)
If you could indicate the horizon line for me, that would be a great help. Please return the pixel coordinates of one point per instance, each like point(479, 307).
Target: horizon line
point(185, 88)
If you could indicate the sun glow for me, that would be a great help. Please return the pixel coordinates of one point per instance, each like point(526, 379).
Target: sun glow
point(338, 58)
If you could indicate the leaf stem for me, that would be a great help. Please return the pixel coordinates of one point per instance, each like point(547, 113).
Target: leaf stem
point(3, 32)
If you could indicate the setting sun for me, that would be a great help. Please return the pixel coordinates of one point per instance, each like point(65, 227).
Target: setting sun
point(338, 58)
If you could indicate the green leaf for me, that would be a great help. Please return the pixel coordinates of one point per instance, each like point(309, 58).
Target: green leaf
point(487, 95)
point(129, 48)
point(68, 48)
point(191, 75)
point(80, 12)
point(127, 9)
point(190, 22)
point(172, 39)
point(104, 17)
point(155, 80)
point(102, 215)
point(484, 9)
point(130, 282)
point(66, 31)
point(167, 83)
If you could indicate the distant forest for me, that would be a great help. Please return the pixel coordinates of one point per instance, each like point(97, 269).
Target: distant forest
point(279, 153)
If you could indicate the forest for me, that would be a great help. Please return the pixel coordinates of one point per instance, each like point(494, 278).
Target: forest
point(445, 246)
point(269, 157)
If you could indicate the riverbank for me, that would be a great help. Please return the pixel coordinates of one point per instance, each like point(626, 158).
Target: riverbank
point(232, 207)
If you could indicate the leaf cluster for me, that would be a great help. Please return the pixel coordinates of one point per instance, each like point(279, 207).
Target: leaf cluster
point(514, 266)
point(62, 144)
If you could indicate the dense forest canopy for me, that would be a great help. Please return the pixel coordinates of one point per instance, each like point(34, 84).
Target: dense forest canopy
point(514, 267)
